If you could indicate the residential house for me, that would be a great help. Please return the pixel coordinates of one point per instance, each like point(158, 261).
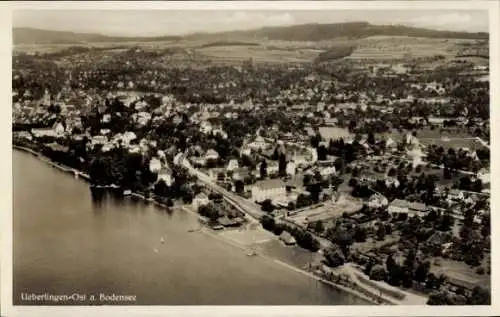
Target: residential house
point(260, 194)
point(377, 201)
point(104, 131)
point(217, 174)
point(200, 200)
point(272, 168)
point(178, 158)
point(303, 159)
point(107, 147)
point(165, 174)
point(456, 194)
point(416, 155)
point(240, 173)
point(134, 149)
point(211, 155)
point(206, 127)
point(439, 239)
point(327, 171)
point(128, 137)
point(291, 168)
point(246, 151)
point(155, 165)
point(59, 129)
point(37, 133)
point(106, 118)
point(98, 140)
point(23, 135)
point(484, 175)
point(258, 143)
point(411, 141)
point(391, 181)
point(141, 104)
point(141, 118)
point(390, 144)
point(220, 132)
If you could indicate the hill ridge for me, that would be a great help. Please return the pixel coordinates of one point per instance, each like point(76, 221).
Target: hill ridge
point(299, 32)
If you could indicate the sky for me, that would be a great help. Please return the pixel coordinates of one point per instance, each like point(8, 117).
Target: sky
point(181, 22)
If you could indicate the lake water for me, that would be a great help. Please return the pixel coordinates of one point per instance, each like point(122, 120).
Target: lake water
point(65, 243)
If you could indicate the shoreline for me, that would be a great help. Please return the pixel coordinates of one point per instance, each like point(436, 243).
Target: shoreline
point(338, 287)
point(205, 230)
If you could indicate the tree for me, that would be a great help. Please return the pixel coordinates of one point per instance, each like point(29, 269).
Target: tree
point(486, 224)
point(278, 229)
point(267, 205)
point(161, 188)
point(322, 152)
point(390, 263)
point(319, 228)
point(359, 234)
point(334, 258)
point(268, 223)
point(422, 271)
point(307, 180)
point(409, 263)
point(447, 221)
point(439, 298)
point(339, 164)
point(378, 273)
point(392, 172)
point(303, 201)
point(239, 186)
point(431, 281)
point(369, 267)
point(282, 164)
point(263, 169)
point(371, 138)
point(276, 154)
point(381, 232)
point(477, 186)
point(479, 296)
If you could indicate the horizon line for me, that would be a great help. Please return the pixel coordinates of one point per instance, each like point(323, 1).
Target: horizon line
point(187, 34)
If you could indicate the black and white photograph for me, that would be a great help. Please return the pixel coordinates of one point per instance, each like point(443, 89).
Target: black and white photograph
point(237, 155)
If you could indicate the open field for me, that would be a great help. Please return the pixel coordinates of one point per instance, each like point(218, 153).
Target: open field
point(370, 244)
point(273, 51)
point(394, 47)
point(445, 138)
point(331, 132)
point(257, 54)
point(461, 271)
point(328, 210)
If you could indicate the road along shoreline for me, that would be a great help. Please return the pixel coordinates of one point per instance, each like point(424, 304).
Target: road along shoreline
point(206, 231)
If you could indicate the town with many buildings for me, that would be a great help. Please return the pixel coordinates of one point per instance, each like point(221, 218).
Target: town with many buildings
point(380, 167)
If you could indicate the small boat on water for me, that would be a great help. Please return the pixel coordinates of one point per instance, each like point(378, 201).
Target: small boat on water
point(155, 250)
point(162, 240)
point(127, 192)
point(252, 251)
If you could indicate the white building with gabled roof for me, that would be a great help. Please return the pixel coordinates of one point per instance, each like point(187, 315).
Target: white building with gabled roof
point(233, 164)
point(155, 165)
point(211, 155)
